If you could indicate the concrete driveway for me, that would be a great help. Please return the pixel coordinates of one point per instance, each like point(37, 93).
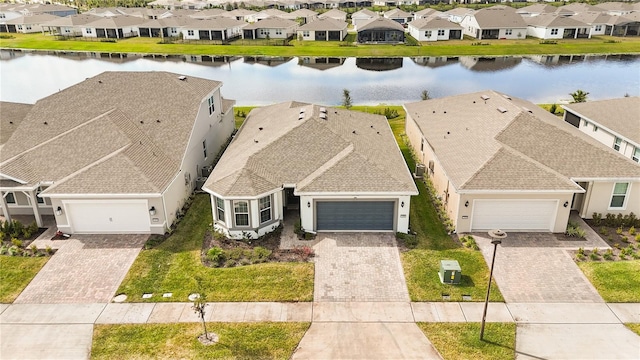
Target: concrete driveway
point(533, 267)
point(358, 267)
point(85, 269)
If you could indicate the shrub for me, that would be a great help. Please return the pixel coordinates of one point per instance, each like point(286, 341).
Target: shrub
point(596, 218)
point(304, 251)
point(34, 249)
point(580, 251)
point(610, 220)
point(390, 113)
point(235, 254)
point(638, 237)
point(624, 239)
point(574, 230)
point(230, 263)
point(3, 249)
point(216, 255)
point(580, 257)
point(309, 236)
point(553, 108)
point(48, 250)
point(608, 255)
point(632, 230)
point(635, 256)
point(260, 254)
point(17, 230)
point(594, 256)
point(604, 231)
point(616, 245)
point(619, 230)
point(14, 250)
point(595, 251)
point(16, 242)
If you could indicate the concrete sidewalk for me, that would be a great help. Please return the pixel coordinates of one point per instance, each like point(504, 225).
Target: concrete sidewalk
point(392, 312)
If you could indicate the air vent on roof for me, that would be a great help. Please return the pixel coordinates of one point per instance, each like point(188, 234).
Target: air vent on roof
point(323, 110)
point(485, 97)
point(323, 116)
point(507, 96)
point(502, 110)
point(527, 110)
point(301, 116)
point(182, 78)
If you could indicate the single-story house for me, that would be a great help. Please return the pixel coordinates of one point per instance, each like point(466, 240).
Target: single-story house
point(165, 27)
point(46, 8)
point(535, 10)
point(361, 17)
point(268, 13)
point(240, 14)
point(117, 153)
point(31, 23)
point(553, 26)
point(273, 28)
point(596, 20)
point(335, 169)
point(613, 122)
point(218, 28)
point(428, 12)
point(627, 25)
point(380, 30)
point(208, 13)
point(400, 16)
point(499, 162)
point(116, 27)
point(577, 8)
point(326, 29)
point(434, 29)
point(457, 14)
point(496, 22)
point(305, 16)
point(617, 8)
point(334, 14)
point(71, 25)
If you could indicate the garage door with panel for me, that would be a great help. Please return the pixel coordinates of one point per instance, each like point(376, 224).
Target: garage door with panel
point(355, 215)
point(108, 216)
point(513, 214)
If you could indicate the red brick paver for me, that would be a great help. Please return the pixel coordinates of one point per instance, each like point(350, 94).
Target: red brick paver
point(86, 269)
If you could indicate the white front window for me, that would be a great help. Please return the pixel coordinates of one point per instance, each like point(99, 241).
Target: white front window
point(278, 31)
point(305, 33)
point(427, 33)
point(636, 155)
point(554, 31)
point(441, 32)
point(10, 198)
point(220, 209)
point(619, 196)
point(212, 106)
point(264, 205)
point(616, 144)
point(508, 31)
point(190, 32)
point(598, 28)
point(241, 212)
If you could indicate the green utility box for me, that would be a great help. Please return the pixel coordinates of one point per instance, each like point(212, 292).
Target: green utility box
point(450, 272)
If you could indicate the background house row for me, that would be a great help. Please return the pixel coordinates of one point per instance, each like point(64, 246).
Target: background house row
point(497, 22)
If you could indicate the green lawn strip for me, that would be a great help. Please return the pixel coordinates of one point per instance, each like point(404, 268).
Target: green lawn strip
point(634, 327)
point(462, 340)
point(616, 281)
point(16, 273)
point(421, 272)
point(174, 265)
point(241, 113)
point(530, 46)
point(179, 341)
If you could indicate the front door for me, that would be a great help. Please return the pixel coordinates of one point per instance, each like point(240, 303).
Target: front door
point(291, 202)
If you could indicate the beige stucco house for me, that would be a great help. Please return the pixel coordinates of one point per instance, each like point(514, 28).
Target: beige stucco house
point(117, 153)
point(502, 162)
point(335, 169)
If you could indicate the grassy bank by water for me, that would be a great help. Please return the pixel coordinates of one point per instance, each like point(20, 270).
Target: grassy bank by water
point(529, 46)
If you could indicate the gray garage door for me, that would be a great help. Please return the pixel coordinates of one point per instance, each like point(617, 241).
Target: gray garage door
point(354, 215)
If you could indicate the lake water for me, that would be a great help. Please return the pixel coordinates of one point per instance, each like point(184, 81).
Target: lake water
point(29, 76)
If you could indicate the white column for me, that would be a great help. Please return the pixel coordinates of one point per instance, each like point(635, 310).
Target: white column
point(34, 206)
point(5, 207)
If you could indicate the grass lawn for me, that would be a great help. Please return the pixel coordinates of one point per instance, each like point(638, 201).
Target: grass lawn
point(179, 341)
point(16, 273)
point(616, 281)
point(530, 46)
point(634, 327)
point(461, 340)
point(421, 273)
point(174, 265)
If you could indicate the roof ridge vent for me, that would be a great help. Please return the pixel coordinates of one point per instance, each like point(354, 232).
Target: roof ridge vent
point(323, 110)
point(485, 97)
point(501, 109)
point(506, 96)
point(323, 116)
point(182, 78)
point(527, 109)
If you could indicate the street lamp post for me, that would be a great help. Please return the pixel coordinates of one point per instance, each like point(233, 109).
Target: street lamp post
point(496, 238)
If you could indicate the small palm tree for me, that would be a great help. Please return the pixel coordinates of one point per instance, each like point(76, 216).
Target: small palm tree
point(346, 99)
point(425, 95)
point(579, 96)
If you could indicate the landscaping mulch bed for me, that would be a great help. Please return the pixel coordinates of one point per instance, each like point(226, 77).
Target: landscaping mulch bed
point(623, 242)
point(270, 241)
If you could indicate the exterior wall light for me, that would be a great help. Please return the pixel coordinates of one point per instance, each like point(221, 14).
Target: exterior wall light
point(59, 211)
point(308, 204)
point(402, 204)
point(152, 211)
point(466, 203)
point(566, 203)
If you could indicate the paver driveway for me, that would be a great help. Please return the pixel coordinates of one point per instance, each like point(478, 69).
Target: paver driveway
point(86, 269)
point(537, 268)
point(358, 267)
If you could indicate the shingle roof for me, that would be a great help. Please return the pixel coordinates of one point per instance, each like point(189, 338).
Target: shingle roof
point(71, 20)
point(476, 140)
point(428, 12)
point(11, 115)
point(324, 24)
point(381, 23)
point(116, 22)
point(396, 13)
point(334, 13)
point(348, 152)
point(272, 23)
point(547, 20)
point(433, 23)
point(621, 115)
point(537, 9)
point(499, 17)
point(215, 23)
point(32, 19)
point(364, 13)
point(592, 18)
point(145, 118)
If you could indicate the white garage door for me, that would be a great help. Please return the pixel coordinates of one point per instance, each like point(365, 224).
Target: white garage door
point(95, 217)
point(513, 214)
